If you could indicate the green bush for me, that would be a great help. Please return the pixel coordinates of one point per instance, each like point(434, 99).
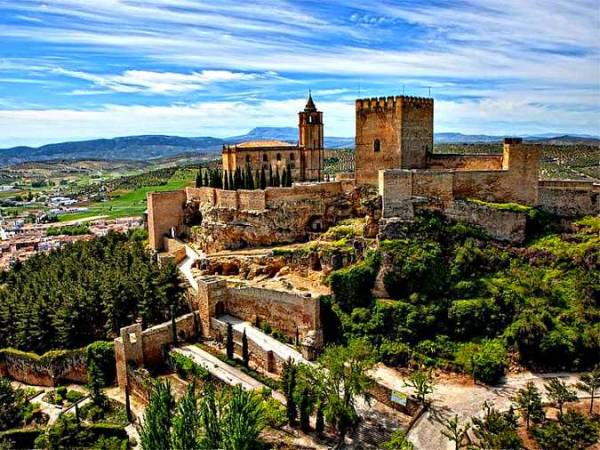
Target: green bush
point(486, 362)
point(74, 396)
point(396, 354)
point(473, 317)
point(103, 354)
point(21, 438)
point(186, 368)
point(352, 286)
point(574, 431)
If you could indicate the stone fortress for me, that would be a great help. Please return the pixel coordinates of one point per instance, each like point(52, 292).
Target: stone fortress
point(396, 176)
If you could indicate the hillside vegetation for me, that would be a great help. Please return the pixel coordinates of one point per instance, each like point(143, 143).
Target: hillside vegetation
point(464, 302)
point(84, 293)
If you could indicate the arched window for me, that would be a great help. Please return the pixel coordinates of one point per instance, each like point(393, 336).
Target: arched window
point(278, 156)
point(376, 146)
point(265, 158)
point(247, 158)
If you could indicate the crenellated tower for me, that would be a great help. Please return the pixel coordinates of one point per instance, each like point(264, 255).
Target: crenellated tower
point(310, 140)
point(392, 132)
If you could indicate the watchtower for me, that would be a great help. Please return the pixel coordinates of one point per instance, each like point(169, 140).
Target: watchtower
point(310, 140)
point(392, 133)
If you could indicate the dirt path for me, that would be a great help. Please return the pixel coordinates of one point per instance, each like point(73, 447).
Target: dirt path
point(465, 400)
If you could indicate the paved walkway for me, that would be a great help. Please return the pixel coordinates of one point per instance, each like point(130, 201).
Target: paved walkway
point(264, 340)
point(185, 266)
point(223, 371)
point(465, 400)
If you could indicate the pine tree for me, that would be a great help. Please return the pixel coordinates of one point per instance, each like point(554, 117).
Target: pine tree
point(560, 393)
point(529, 402)
point(590, 384)
point(245, 351)
point(230, 343)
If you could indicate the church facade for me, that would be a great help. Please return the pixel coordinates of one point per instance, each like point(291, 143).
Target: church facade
point(304, 160)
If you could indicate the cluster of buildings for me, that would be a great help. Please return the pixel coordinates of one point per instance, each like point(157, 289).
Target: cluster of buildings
point(19, 241)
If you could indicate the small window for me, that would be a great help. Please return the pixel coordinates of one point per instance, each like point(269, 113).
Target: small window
point(265, 158)
point(376, 146)
point(247, 158)
point(278, 156)
point(292, 157)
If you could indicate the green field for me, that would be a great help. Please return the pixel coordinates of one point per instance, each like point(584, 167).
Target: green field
point(132, 203)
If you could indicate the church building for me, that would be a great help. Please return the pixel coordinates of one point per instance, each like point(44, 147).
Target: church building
point(304, 160)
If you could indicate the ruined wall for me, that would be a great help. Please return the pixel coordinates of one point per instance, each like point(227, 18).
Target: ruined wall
point(254, 200)
point(392, 132)
point(165, 210)
point(487, 185)
point(50, 369)
point(201, 195)
point(284, 311)
point(464, 162)
point(226, 199)
point(500, 224)
point(569, 198)
point(140, 348)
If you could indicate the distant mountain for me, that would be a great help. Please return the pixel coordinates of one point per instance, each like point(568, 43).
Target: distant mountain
point(130, 147)
point(143, 148)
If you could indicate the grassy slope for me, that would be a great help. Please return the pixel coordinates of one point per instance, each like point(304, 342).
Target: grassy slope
point(131, 203)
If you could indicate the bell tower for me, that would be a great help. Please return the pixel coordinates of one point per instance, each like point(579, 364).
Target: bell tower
point(310, 140)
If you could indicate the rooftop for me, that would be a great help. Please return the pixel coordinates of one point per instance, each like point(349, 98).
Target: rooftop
point(263, 144)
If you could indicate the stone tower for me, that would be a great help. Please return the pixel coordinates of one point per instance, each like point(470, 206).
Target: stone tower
point(392, 133)
point(310, 140)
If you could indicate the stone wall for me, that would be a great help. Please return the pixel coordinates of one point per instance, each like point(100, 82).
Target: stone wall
point(50, 369)
point(148, 348)
point(384, 394)
point(500, 224)
point(569, 198)
point(165, 211)
point(464, 162)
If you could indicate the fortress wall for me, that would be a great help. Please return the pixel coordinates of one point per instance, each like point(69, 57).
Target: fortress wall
point(284, 311)
point(165, 210)
point(500, 224)
point(201, 195)
point(438, 185)
point(464, 162)
point(488, 185)
point(570, 199)
point(301, 192)
point(226, 199)
point(254, 200)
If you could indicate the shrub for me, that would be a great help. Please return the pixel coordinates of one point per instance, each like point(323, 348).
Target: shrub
point(574, 431)
point(473, 317)
point(61, 392)
point(395, 354)
point(352, 286)
point(486, 362)
point(186, 368)
point(74, 396)
point(103, 354)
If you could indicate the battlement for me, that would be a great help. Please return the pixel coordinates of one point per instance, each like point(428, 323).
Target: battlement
point(370, 104)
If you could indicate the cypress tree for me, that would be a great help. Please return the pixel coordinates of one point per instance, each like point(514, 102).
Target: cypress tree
point(229, 341)
point(238, 178)
point(277, 181)
point(271, 179)
point(288, 380)
point(199, 179)
point(305, 408)
point(245, 352)
point(226, 182)
point(185, 433)
point(284, 178)
point(289, 175)
point(249, 178)
point(155, 432)
point(231, 183)
point(206, 180)
point(263, 179)
point(257, 179)
point(320, 422)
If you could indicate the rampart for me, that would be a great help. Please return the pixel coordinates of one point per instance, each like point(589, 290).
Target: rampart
point(569, 198)
point(50, 369)
point(136, 348)
point(295, 315)
point(168, 211)
point(464, 162)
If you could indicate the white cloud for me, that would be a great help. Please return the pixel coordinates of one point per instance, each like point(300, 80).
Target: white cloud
point(164, 83)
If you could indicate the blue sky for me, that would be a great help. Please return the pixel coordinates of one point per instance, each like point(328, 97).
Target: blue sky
point(81, 69)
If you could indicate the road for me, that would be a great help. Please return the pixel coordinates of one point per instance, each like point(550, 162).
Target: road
point(465, 400)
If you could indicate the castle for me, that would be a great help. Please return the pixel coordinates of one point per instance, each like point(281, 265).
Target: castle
point(304, 161)
point(396, 175)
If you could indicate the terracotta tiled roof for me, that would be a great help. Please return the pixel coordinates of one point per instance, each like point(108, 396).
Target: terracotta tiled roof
point(265, 143)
